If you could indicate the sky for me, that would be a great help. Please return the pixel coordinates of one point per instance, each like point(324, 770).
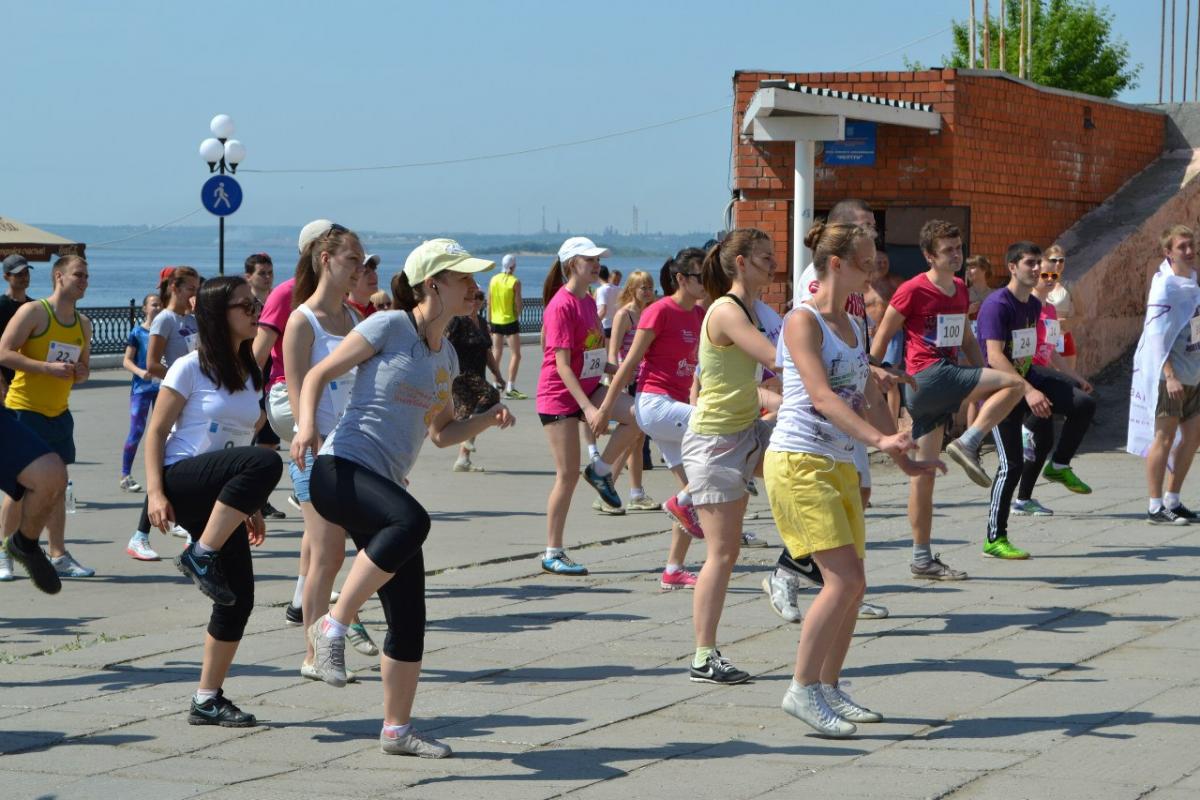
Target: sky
point(106, 103)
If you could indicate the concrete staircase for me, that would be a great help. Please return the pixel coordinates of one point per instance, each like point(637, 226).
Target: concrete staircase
point(1113, 251)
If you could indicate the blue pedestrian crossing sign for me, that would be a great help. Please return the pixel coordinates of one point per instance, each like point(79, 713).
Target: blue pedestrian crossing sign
point(221, 195)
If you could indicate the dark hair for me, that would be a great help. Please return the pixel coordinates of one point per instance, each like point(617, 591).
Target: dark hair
point(846, 210)
point(720, 264)
point(405, 296)
point(174, 281)
point(253, 260)
point(937, 229)
point(307, 271)
point(603, 274)
point(680, 264)
point(827, 239)
point(212, 303)
point(554, 281)
point(1018, 250)
point(616, 275)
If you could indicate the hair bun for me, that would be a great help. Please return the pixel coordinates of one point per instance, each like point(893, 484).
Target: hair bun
point(814, 234)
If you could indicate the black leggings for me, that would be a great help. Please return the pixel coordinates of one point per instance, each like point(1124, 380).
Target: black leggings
point(241, 477)
point(1069, 401)
point(390, 526)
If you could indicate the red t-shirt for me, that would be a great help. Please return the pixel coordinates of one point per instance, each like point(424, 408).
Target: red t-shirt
point(364, 311)
point(274, 316)
point(569, 323)
point(670, 361)
point(933, 331)
point(1045, 346)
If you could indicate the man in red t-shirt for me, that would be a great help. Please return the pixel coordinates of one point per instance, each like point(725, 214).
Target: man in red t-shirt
point(932, 309)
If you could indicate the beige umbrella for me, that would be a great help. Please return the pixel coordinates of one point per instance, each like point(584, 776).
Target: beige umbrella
point(34, 243)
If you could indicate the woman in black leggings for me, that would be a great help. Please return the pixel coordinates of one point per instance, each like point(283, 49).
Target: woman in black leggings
point(203, 473)
point(405, 367)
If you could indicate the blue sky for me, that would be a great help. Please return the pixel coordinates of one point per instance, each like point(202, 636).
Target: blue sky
point(112, 99)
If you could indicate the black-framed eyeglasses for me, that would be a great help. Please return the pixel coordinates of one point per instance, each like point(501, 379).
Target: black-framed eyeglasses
point(1059, 260)
point(252, 306)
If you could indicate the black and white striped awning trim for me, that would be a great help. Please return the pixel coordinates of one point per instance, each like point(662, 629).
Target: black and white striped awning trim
point(860, 98)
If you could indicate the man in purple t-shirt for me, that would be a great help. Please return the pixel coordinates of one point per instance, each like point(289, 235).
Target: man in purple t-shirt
point(1008, 322)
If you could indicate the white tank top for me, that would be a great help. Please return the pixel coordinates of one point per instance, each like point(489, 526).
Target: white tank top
point(800, 428)
point(333, 402)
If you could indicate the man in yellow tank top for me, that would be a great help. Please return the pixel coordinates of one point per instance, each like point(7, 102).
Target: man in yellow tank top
point(47, 344)
point(504, 317)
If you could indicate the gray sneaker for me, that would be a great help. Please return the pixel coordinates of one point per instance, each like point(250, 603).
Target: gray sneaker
point(413, 744)
point(361, 640)
point(67, 567)
point(807, 704)
point(968, 459)
point(871, 611)
point(6, 573)
point(784, 596)
point(307, 670)
point(329, 655)
point(937, 570)
point(846, 708)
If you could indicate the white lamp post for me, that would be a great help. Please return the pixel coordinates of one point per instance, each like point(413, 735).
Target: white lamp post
point(222, 153)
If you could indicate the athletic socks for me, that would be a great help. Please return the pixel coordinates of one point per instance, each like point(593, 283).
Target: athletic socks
point(593, 452)
point(1171, 500)
point(972, 438)
point(298, 595)
point(684, 498)
point(1057, 465)
point(202, 696)
point(922, 554)
point(508, 388)
point(554, 552)
point(202, 548)
point(702, 654)
point(332, 628)
point(396, 731)
point(601, 467)
point(673, 568)
point(23, 543)
point(1156, 505)
point(636, 494)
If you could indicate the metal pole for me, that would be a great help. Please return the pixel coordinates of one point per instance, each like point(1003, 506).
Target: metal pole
point(802, 211)
point(1196, 77)
point(1003, 25)
point(1162, 45)
point(987, 37)
point(1187, 27)
point(971, 50)
point(1172, 92)
point(1021, 44)
point(221, 262)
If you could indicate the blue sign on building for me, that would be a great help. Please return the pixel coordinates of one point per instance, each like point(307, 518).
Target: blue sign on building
point(857, 149)
point(221, 195)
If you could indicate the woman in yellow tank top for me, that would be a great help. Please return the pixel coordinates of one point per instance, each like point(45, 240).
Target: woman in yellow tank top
point(725, 441)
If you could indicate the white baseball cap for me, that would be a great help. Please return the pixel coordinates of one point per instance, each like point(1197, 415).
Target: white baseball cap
point(371, 258)
point(315, 230)
point(508, 262)
point(580, 246)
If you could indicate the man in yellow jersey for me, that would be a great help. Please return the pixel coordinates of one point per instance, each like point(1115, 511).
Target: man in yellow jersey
point(504, 315)
point(47, 344)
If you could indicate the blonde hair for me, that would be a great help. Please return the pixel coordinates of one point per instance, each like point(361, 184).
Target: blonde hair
point(637, 279)
point(828, 239)
point(1175, 230)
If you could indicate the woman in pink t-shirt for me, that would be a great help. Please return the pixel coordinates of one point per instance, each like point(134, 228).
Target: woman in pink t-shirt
point(665, 348)
point(569, 390)
point(635, 298)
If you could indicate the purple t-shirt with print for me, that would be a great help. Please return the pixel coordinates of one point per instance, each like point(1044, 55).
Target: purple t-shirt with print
point(1000, 316)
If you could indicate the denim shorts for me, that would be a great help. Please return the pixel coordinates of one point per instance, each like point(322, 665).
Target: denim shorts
point(300, 480)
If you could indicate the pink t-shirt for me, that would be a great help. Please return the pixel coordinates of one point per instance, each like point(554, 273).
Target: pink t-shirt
point(274, 316)
point(670, 362)
point(1041, 356)
point(568, 323)
point(922, 304)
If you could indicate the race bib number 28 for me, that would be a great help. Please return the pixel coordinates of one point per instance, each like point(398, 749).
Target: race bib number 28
point(593, 363)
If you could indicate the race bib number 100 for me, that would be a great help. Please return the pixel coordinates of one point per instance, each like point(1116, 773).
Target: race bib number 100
point(950, 330)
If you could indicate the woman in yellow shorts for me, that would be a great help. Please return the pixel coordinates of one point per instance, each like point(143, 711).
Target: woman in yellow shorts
point(809, 467)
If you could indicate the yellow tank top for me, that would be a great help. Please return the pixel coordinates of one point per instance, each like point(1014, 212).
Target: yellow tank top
point(45, 394)
point(728, 401)
point(501, 307)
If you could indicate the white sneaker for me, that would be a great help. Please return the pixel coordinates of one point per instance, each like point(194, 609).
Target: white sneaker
point(413, 744)
point(307, 670)
point(6, 573)
point(871, 611)
point(846, 708)
point(140, 549)
point(784, 596)
point(67, 567)
point(128, 484)
point(751, 540)
point(807, 704)
point(181, 532)
point(329, 659)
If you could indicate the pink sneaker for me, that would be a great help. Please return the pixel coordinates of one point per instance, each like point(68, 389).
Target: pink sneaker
point(685, 516)
point(678, 580)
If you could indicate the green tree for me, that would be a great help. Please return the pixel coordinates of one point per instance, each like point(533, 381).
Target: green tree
point(1073, 47)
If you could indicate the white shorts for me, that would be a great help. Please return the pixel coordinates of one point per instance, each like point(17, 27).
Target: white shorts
point(863, 464)
point(664, 420)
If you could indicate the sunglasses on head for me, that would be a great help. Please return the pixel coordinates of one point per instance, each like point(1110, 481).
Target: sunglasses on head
point(1058, 260)
point(1050, 276)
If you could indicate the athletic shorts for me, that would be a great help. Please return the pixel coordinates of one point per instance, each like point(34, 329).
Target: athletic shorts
point(300, 480)
point(58, 432)
point(815, 502)
point(21, 448)
point(1185, 408)
point(895, 351)
point(665, 420)
point(506, 328)
point(941, 390)
point(548, 419)
point(718, 466)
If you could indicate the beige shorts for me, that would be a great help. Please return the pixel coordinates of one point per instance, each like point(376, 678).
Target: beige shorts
point(1185, 408)
point(718, 466)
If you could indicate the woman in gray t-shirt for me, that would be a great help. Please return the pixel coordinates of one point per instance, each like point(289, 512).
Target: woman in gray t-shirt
point(401, 393)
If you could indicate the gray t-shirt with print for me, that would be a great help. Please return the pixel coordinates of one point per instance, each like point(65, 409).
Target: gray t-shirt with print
point(397, 393)
point(180, 332)
point(1185, 354)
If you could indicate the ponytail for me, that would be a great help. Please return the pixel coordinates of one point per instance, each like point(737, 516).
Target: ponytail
point(405, 295)
point(174, 279)
point(682, 263)
point(554, 281)
point(665, 281)
point(308, 271)
point(720, 264)
point(712, 274)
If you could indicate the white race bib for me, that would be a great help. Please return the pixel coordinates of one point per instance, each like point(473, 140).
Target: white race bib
point(1054, 334)
point(593, 363)
point(59, 353)
point(222, 436)
point(950, 330)
point(1193, 336)
point(192, 340)
point(1024, 342)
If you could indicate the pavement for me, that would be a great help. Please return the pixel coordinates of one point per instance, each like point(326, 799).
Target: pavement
point(1070, 675)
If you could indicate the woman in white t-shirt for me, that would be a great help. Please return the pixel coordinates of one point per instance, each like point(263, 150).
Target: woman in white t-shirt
point(809, 470)
point(325, 273)
point(202, 473)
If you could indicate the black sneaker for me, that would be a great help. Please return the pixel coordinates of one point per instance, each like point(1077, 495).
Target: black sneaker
point(219, 711)
point(603, 484)
point(808, 571)
point(294, 615)
point(271, 512)
point(33, 560)
point(1183, 511)
point(205, 572)
point(1165, 516)
point(717, 669)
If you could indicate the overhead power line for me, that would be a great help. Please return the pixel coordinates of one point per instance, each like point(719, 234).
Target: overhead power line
point(145, 232)
point(903, 46)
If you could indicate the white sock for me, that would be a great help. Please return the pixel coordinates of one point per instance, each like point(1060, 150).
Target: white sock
point(202, 696)
point(554, 552)
point(1057, 465)
point(145, 537)
point(298, 595)
point(684, 498)
point(1171, 500)
point(203, 549)
point(333, 629)
point(636, 494)
point(507, 388)
point(593, 452)
point(1156, 504)
point(396, 731)
point(601, 467)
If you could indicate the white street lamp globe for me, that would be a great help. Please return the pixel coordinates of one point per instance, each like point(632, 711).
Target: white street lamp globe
point(221, 126)
point(211, 150)
point(235, 152)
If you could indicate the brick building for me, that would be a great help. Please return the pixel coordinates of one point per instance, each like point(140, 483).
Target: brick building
point(1011, 160)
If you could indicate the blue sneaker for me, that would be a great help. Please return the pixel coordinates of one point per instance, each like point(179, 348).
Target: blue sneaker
point(562, 564)
point(604, 485)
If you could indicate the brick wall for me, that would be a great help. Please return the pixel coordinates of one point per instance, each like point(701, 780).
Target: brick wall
point(1019, 156)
